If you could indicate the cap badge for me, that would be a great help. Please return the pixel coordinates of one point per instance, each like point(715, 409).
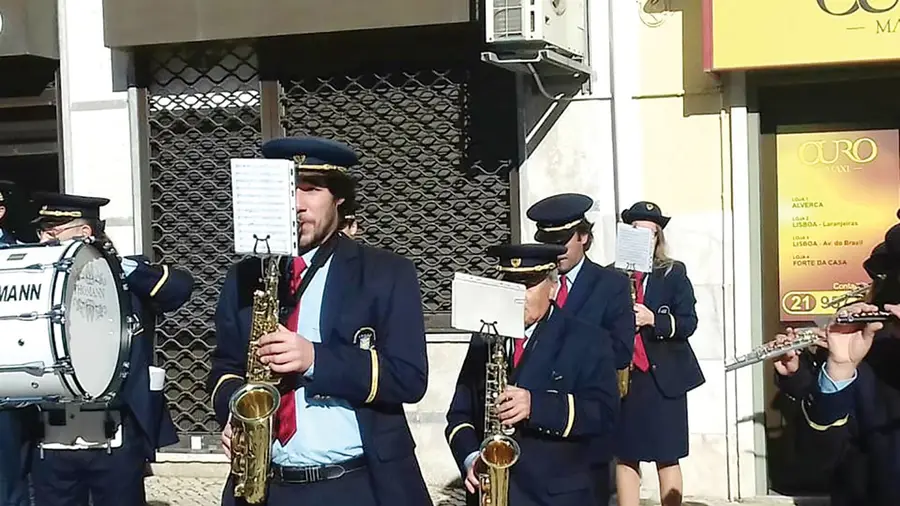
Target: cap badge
point(515, 262)
point(649, 207)
point(299, 159)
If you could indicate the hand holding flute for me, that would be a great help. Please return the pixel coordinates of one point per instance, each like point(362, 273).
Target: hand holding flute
point(856, 316)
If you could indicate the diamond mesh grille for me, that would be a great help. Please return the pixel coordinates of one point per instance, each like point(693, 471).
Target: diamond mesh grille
point(429, 188)
point(203, 110)
point(433, 183)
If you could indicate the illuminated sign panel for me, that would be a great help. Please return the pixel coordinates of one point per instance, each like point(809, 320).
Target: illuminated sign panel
point(837, 194)
point(752, 34)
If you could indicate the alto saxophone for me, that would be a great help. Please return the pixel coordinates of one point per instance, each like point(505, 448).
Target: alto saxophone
point(499, 451)
point(254, 404)
point(624, 375)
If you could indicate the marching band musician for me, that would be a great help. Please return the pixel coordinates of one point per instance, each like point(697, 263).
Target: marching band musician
point(67, 468)
point(562, 391)
point(352, 351)
point(653, 425)
point(350, 226)
point(855, 390)
point(590, 292)
point(15, 422)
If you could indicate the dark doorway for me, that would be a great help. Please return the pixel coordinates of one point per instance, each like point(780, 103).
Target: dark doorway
point(29, 154)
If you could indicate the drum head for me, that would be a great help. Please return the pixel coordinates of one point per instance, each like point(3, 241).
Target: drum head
point(94, 323)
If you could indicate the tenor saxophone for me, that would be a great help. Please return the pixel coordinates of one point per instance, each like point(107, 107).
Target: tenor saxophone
point(624, 375)
point(499, 451)
point(254, 404)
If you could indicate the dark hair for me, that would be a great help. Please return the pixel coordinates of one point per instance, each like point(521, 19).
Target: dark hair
point(586, 228)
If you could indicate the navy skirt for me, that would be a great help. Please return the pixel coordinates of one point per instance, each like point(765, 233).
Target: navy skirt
point(651, 427)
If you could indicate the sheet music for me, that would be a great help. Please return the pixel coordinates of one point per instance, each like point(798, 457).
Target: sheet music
point(477, 300)
point(265, 206)
point(634, 248)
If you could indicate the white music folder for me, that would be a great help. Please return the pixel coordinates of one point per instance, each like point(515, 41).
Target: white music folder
point(634, 248)
point(265, 206)
point(478, 301)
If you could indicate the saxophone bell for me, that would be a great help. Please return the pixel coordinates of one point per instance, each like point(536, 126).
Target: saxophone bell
point(252, 406)
point(253, 402)
point(500, 451)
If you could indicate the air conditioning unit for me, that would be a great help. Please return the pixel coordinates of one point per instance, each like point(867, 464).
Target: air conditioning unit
point(558, 25)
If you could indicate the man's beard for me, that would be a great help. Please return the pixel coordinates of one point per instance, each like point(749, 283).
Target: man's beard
point(319, 236)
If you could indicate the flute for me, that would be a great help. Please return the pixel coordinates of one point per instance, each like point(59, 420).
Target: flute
point(805, 338)
point(867, 317)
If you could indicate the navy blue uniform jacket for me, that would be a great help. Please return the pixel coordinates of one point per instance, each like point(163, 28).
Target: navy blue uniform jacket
point(602, 297)
point(571, 376)
point(366, 287)
point(670, 295)
point(155, 289)
point(872, 404)
point(835, 454)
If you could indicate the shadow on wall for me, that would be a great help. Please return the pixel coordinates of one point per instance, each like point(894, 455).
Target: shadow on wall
point(540, 113)
point(701, 89)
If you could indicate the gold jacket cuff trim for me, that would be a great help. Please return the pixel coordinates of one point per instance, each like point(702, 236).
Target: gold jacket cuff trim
point(161, 282)
point(822, 428)
point(457, 429)
point(571, 417)
point(222, 379)
point(373, 390)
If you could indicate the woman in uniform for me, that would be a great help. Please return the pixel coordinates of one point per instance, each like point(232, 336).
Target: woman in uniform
point(653, 423)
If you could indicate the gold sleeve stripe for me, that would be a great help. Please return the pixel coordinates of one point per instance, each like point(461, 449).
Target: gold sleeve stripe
point(457, 429)
point(373, 390)
point(571, 418)
point(821, 428)
point(161, 282)
point(672, 321)
point(222, 379)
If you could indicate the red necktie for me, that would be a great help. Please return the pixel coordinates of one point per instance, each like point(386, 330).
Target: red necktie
point(518, 350)
point(286, 418)
point(639, 359)
point(563, 293)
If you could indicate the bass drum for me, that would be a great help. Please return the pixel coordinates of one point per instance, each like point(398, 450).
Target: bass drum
point(65, 324)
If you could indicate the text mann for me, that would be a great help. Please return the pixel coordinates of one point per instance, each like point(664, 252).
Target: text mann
point(12, 293)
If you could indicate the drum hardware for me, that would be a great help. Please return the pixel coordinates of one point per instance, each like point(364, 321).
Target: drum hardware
point(56, 315)
point(36, 368)
point(64, 265)
point(22, 402)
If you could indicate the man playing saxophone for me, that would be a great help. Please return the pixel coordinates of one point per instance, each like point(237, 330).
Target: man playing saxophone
point(350, 351)
point(561, 391)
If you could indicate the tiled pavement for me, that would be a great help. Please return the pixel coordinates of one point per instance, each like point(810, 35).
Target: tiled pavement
point(181, 491)
point(172, 491)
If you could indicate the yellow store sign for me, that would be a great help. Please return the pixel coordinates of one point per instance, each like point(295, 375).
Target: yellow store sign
point(751, 34)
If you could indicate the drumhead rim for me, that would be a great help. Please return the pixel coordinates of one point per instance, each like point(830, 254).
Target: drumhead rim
point(123, 359)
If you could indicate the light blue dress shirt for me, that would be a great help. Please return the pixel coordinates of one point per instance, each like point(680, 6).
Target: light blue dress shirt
point(128, 266)
point(327, 429)
point(830, 386)
point(572, 275)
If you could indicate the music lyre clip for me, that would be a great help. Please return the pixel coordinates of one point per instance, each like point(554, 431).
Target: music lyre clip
point(258, 240)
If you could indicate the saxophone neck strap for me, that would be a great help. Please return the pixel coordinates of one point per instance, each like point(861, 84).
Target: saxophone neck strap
point(318, 260)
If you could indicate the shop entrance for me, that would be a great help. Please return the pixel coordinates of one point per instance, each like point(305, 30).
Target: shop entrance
point(830, 187)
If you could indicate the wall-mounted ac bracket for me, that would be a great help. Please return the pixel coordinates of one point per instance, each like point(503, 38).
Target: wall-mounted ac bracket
point(546, 62)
